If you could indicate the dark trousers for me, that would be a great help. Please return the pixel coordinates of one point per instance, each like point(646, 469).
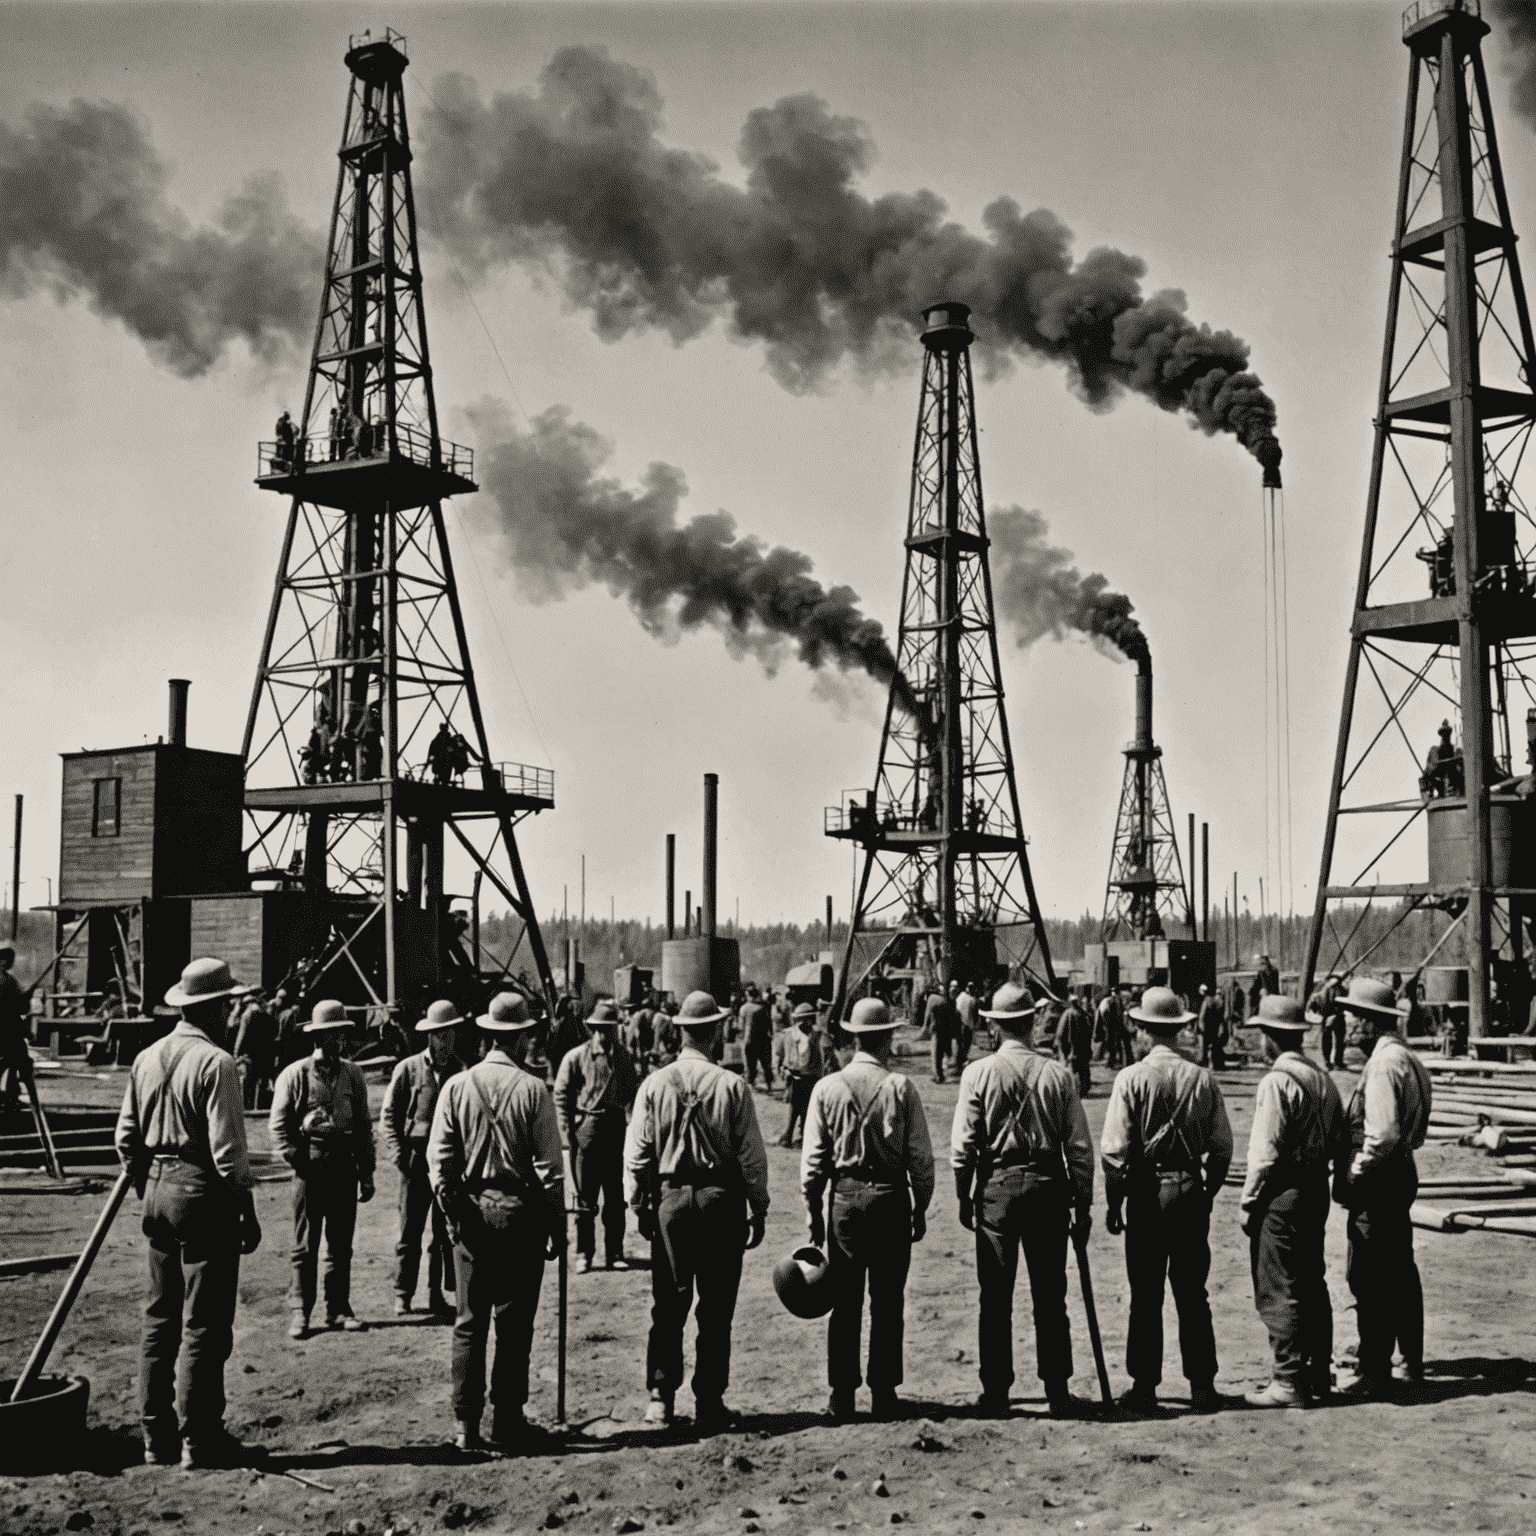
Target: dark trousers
point(941, 1045)
point(1290, 1288)
point(1167, 1241)
point(870, 1238)
point(498, 1281)
point(597, 1168)
point(1015, 1209)
point(1333, 1041)
point(701, 1232)
point(758, 1054)
point(1081, 1068)
point(1212, 1053)
point(324, 1208)
point(1382, 1274)
point(800, 1085)
point(416, 1208)
point(192, 1226)
point(964, 1037)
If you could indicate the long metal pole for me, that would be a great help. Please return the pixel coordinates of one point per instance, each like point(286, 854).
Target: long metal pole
point(949, 640)
point(1194, 932)
point(1234, 920)
point(16, 877)
point(1205, 882)
point(671, 880)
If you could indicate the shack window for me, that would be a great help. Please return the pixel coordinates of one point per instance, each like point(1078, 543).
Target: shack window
point(104, 820)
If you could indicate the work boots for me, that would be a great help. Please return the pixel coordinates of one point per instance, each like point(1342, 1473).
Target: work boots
point(659, 1409)
point(402, 1306)
point(1277, 1394)
point(711, 1416)
point(219, 1449)
point(1062, 1404)
point(884, 1406)
point(992, 1405)
point(840, 1406)
point(1141, 1399)
point(1203, 1397)
point(439, 1305)
point(466, 1435)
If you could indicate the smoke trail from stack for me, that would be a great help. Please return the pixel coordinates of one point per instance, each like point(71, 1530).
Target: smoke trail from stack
point(1039, 591)
point(1518, 18)
point(575, 181)
point(563, 525)
point(84, 214)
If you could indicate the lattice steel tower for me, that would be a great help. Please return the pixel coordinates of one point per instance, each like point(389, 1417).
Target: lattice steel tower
point(365, 730)
point(1453, 422)
point(945, 886)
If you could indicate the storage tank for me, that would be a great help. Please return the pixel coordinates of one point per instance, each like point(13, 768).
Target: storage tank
point(1509, 837)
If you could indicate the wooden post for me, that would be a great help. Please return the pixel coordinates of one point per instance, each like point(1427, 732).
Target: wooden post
point(1205, 881)
point(16, 877)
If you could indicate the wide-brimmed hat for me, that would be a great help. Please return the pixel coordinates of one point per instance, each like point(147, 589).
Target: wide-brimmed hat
point(1162, 1011)
point(202, 981)
point(441, 1015)
point(1279, 1014)
point(699, 1009)
point(803, 1011)
point(1371, 999)
point(328, 1014)
point(870, 1016)
point(605, 1013)
point(507, 1013)
point(1011, 1001)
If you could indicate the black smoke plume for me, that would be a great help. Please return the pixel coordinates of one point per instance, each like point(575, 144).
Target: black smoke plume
point(84, 213)
point(1039, 591)
point(564, 525)
point(1518, 18)
point(576, 180)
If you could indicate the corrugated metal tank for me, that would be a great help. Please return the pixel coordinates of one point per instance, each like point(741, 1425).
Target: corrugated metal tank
point(1509, 836)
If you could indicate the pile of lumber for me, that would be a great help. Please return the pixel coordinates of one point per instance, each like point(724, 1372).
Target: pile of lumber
point(1489, 1104)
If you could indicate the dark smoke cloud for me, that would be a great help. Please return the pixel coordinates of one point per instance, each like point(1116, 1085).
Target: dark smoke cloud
point(563, 525)
point(84, 212)
point(1039, 591)
point(576, 180)
point(1518, 18)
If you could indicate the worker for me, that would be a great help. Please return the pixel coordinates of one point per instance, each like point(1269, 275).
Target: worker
point(405, 1123)
point(866, 1139)
point(594, 1088)
point(283, 457)
point(441, 754)
point(1444, 772)
point(1265, 979)
point(1212, 1026)
point(965, 1031)
point(1298, 1130)
point(802, 1064)
point(289, 1017)
point(15, 1018)
point(255, 1048)
point(757, 1039)
point(941, 1023)
point(640, 1033)
point(565, 1034)
point(321, 1128)
point(1388, 1118)
point(1023, 1166)
point(1074, 1043)
point(494, 1162)
point(694, 1168)
point(1166, 1148)
point(181, 1138)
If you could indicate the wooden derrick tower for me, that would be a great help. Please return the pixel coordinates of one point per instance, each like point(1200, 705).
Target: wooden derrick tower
point(365, 743)
point(945, 890)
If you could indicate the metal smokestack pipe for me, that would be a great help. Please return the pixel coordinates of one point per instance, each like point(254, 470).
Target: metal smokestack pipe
point(176, 733)
point(1205, 882)
point(711, 851)
point(829, 922)
point(1143, 740)
point(671, 878)
point(687, 913)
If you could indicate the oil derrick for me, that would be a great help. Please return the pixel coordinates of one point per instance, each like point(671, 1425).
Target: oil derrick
point(945, 888)
point(365, 736)
point(1146, 890)
point(1456, 642)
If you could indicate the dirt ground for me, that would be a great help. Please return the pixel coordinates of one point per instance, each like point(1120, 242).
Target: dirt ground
point(367, 1414)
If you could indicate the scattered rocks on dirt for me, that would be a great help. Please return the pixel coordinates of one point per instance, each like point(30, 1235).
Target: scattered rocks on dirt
point(80, 1520)
point(977, 1514)
point(626, 1525)
point(737, 1463)
point(839, 1474)
point(570, 1496)
point(928, 1438)
point(879, 1489)
point(356, 1528)
point(746, 1512)
point(1051, 1503)
point(456, 1514)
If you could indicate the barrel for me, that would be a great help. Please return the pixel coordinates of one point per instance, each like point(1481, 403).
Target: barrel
point(1509, 829)
point(45, 1431)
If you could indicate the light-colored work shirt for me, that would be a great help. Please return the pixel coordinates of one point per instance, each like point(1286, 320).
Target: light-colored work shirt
point(464, 1151)
point(965, 1007)
point(1389, 1112)
point(314, 1083)
point(409, 1101)
point(1017, 1106)
point(596, 1078)
point(692, 1117)
point(799, 1052)
point(866, 1119)
point(1165, 1115)
point(1298, 1123)
point(184, 1100)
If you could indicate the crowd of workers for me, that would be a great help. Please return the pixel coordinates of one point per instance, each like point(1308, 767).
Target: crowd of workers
point(664, 1134)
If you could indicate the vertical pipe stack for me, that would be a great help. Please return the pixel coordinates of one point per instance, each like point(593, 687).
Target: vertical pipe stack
point(176, 729)
point(1205, 881)
point(829, 922)
point(671, 878)
point(16, 877)
point(711, 851)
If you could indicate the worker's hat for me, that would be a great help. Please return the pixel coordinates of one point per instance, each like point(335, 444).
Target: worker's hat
point(442, 1015)
point(803, 1011)
point(605, 1014)
point(1370, 999)
point(803, 1283)
point(870, 1016)
point(1162, 1011)
point(328, 1014)
point(1282, 1015)
point(699, 1010)
point(1204, 987)
point(508, 1013)
point(1010, 1002)
point(202, 981)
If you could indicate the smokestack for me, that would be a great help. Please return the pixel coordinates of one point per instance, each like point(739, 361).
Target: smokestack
point(687, 913)
point(1268, 453)
point(177, 731)
point(671, 877)
point(1143, 741)
point(829, 922)
point(711, 851)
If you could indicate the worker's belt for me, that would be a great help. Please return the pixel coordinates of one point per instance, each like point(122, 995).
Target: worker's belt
point(1042, 1167)
point(699, 1178)
point(189, 1157)
point(870, 1176)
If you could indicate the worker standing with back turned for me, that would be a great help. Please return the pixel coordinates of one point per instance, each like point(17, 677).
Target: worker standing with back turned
point(181, 1136)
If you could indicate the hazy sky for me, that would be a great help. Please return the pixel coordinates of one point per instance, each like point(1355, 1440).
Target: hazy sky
point(1248, 152)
